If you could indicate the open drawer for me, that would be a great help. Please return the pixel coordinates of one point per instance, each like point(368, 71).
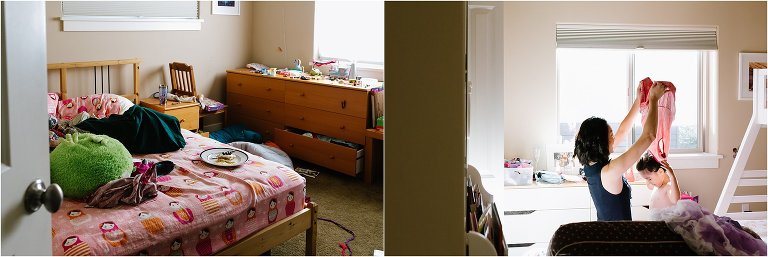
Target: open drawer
point(336, 157)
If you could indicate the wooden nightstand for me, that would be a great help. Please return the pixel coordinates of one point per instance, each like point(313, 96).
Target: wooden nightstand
point(187, 113)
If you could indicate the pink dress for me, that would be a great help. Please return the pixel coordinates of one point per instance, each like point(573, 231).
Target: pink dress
point(666, 114)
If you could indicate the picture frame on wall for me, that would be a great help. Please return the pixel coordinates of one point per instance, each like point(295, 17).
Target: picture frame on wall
point(225, 7)
point(560, 159)
point(747, 63)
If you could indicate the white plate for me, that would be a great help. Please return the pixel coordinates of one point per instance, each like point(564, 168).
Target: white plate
point(211, 156)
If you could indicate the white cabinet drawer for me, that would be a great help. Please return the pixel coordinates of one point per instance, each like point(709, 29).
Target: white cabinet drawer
point(539, 226)
point(640, 213)
point(537, 249)
point(641, 195)
point(555, 198)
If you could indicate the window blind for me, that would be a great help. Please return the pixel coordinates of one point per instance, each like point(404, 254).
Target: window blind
point(132, 9)
point(636, 36)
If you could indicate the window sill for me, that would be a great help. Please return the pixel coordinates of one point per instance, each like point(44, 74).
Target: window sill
point(128, 24)
point(686, 161)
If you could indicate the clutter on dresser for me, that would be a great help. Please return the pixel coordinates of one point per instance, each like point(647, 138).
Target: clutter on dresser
point(210, 105)
point(338, 73)
point(518, 172)
point(549, 177)
point(377, 107)
point(687, 195)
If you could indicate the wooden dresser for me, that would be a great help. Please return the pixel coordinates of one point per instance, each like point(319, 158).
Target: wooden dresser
point(273, 105)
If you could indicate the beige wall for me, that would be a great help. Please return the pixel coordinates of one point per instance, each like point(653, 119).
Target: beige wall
point(283, 31)
point(530, 71)
point(425, 143)
point(223, 43)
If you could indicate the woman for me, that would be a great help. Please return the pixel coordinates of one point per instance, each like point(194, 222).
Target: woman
point(595, 141)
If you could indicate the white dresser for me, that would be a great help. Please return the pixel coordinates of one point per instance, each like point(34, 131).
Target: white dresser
point(532, 213)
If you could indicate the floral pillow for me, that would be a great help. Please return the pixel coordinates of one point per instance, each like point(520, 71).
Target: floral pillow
point(63, 115)
point(97, 105)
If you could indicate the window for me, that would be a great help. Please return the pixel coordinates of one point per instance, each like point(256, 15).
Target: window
point(603, 83)
point(350, 31)
point(130, 15)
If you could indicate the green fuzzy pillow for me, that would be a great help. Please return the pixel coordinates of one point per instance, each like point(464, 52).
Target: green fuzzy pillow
point(83, 162)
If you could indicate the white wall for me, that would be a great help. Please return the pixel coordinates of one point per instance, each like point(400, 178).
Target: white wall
point(530, 86)
point(283, 31)
point(485, 72)
point(223, 43)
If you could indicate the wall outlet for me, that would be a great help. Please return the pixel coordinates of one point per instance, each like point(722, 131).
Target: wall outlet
point(744, 207)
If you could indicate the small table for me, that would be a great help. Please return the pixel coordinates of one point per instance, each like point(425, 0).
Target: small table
point(374, 140)
point(217, 125)
point(187, 113)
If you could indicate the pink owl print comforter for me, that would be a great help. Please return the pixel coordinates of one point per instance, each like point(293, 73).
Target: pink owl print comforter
point(200, 209)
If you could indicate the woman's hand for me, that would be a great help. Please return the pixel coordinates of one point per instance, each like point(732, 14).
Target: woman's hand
point(656, 91)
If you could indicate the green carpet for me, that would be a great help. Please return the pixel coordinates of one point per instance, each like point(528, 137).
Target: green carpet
point(348, 201)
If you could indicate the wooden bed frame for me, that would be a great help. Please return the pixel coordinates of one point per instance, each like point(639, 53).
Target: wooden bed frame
point(62, 67)
point(260, 241)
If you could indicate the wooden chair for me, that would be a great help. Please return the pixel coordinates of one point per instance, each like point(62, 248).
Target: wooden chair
point(183, 83)
point(182, 79)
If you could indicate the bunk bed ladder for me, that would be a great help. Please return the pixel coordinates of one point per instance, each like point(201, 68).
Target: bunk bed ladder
point(738, 176)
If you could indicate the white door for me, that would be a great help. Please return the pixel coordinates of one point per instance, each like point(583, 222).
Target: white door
point(485, 142)
point(24, 125)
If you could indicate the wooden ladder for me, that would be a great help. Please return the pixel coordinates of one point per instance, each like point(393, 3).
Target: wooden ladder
point(738, 177)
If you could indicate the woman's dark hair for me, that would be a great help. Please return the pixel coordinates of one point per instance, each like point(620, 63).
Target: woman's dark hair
point(592, 141)
point(648, 163)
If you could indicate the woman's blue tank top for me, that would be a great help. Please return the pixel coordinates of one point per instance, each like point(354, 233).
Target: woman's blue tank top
point(609, 206)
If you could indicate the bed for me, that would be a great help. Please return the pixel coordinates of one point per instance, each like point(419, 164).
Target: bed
point(200, 209)
point(628, 238)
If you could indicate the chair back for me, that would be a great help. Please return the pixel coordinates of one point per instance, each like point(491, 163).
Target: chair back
point(182, 79)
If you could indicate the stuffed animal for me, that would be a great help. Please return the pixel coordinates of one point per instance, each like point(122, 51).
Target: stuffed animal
point(83, 162)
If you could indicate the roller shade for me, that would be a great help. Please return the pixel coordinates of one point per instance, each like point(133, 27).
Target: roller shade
point(134, 9)
point(636, 36)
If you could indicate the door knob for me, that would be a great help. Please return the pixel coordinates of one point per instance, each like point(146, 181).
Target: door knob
point(37, 194)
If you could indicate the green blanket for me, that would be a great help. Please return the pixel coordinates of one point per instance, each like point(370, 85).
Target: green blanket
point(141, 130)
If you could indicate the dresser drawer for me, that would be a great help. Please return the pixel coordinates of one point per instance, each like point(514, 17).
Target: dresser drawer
point(257, 86)
point(548, 198)
point(256, 107)
point(339, 158)
point(641, 195)
point(334, 99)
point(189, 118)
point(265, 128)
point(331, 124)
point(641, 213)
point(538, 226)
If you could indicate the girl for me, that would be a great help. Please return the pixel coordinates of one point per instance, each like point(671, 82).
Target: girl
point(595, 141)
point(660, 176)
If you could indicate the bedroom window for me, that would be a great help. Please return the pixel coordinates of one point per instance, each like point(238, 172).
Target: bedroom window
point(353, 32)
point(130, 15)
point(603, 83)
point(599, 67)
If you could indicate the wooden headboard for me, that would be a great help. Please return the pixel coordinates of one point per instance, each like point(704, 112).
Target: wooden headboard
point(62, 67)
